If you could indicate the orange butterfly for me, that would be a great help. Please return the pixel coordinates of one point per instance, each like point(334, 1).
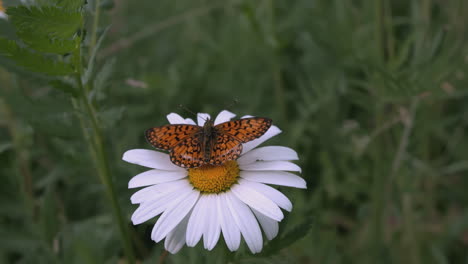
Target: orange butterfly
point(192, 146)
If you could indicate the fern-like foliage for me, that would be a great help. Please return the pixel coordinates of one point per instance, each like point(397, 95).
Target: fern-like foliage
point(46, 34)
point(33, 61)
point(50, 21)
point(47, 29)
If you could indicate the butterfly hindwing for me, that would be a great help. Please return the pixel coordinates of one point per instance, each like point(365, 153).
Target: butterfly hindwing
point(223, 148)
point(168, 136)
point(246, 129)
point(188, 153)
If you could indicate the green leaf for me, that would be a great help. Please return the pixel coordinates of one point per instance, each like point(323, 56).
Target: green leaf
point(33, 61)
point(66, 87)
point(48, 21)
point(47, 29)
point(89, 70)
point(103, 77)
point(48, 45)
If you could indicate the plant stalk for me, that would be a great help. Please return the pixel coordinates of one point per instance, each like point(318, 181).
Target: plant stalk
point(99, 154)
point(94, 29)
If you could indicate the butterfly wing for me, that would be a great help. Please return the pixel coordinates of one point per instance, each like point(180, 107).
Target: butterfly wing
point(188, 153)
point(168, 136)
point(245, 130)
point(223, 148)
point(187, 143)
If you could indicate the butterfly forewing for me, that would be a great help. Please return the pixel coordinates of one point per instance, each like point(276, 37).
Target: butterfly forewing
point(245, 130)
point(168, 136)
point(224, 147)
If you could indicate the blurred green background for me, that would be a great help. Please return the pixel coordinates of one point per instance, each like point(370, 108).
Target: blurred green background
point(372, 95)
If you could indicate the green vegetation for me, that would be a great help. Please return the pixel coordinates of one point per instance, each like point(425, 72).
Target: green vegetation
point(372, 95)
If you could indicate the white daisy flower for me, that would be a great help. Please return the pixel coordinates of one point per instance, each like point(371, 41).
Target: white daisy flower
point(232, 199)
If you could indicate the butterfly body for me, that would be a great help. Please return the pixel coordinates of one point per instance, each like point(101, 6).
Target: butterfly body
point(192, 146)
point(209, 135)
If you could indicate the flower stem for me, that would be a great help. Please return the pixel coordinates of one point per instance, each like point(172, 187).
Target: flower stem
point(99, 154)
point(97, 11)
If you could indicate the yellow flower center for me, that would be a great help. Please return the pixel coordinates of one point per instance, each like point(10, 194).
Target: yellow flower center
point(214, 179)
point(2, 9)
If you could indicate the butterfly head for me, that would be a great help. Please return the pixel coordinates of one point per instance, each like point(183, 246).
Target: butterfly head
point(208, 126)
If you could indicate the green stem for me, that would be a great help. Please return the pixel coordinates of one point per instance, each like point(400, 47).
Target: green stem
point(105, 177)
point(92, 43)
point(98, 151)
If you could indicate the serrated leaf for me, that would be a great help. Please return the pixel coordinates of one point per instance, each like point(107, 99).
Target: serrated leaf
point(65, 87)
point(89, 70)
point(33, 61)
point(48, 45)
point(49, 21)
point(103, 76)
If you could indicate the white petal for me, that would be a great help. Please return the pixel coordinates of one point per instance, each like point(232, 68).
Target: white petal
point(257, 201)
point(151, 159)
point(275, 177)
point(269, 226)
point(197, 222)
point(270, 165)
point(246, 221)
point(271, 132)
point(223, 116)
point(190, 121)
point(212, 228)
point(268, 153)
point(153, 208)
point(201, 118)
point(174, 118)
point(231, 232)
point(154, 177)
point(247, 116)
point(271, 193)
point(175, 240)
point(153, 192)
point(172, 216)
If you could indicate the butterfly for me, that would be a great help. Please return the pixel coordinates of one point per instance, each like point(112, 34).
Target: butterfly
point(192, 146)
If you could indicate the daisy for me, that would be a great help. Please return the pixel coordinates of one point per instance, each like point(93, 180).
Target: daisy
point(233, 199)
